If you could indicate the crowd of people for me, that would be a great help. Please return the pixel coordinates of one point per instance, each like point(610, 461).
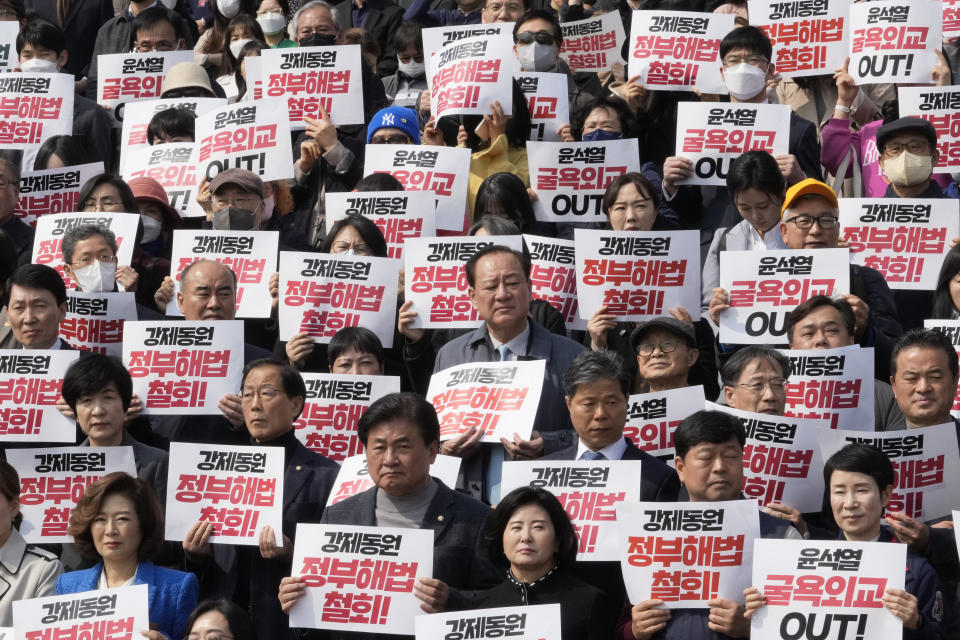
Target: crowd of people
point(491, 548)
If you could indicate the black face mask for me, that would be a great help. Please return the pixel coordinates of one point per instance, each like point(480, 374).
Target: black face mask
point(233, 219)
point(318, 40)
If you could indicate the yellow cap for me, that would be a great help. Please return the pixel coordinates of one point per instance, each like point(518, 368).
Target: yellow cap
point(808, 187)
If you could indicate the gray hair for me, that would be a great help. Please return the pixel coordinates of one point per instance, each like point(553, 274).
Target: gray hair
point(590, 366)
point(806, 197)
point(85, 232)
point(295, 20)
point(734, 367)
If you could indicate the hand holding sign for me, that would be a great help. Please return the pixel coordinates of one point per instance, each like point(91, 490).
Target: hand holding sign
point(647, 619)
point(323, 131)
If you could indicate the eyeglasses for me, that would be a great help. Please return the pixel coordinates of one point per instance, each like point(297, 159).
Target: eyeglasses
point(244, 202)
point(496, 7)
point(163, 45)
point(88, 260)
point(917, 147)
point(806, 222)
point(528, 37)
point(756, 61)
point(667, 346)
point(343, 247)
point(306, 32)
point(266, 393)
point(397, 138)
point(105, 204)
point(4, 183)
point(777, 385)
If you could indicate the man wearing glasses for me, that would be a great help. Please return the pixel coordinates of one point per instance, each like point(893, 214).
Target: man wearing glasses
point(666, 351)
point(908, 154)
point(754, 379)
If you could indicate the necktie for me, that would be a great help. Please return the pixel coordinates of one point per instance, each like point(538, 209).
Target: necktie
point(504, 351)
point(593, 455)
point(495, 468)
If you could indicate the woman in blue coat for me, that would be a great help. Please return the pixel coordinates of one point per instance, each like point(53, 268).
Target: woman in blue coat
point(119, 520)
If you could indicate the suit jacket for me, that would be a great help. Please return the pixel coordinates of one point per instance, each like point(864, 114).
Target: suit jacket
point(25, 572)
point(383, 18)
point(21, 235)
point(172, 594)
point(151, 464)
point(84, 18)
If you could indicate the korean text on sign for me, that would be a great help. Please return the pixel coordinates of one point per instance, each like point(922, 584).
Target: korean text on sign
point(94, 321)
point(833, 384)
point(410, 214)
point(34, 107)
point(941, 106)
point(52, 190)
point(247, 135)
point(105, 614)
point(30, 382)
point(174, 166)
point(894, 41)
point(48, 240)
point(653, 417)
point(807, 35)
point(548, 101)
point(129, 77)
point(951, 329)
point(553, 274)
point(137, 116)
point(467, 76)
point(537, 622)
point(593, 44)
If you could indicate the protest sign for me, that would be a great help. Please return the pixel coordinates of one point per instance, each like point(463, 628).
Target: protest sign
point(52, 190)
point(941, 106)
point(53, 480)
point(832, 384)
point(321, 294)
point(925, 461)
point(398, 214)
point(834, 587)
point(8, 44)
point(247, 135)
point(30, 382)
point(129, 77)
point(467, 76)
point(253, 67)
point(548, 103)
point(781, 459)
point(94, 321)
point(498, 398)
point(360, 578)
point(764, 286)
point(436, 282)
point(687, 553)
point(570, 178)
point(354, 477)
point(807, 35)
point(114, 614)
point(951, 19)
point(314, 81)
point(593, 44)
point(48, 240)
point(904, 241)
point(441, 171)
point(589, 492)
point(237, 489)
point(653, 417)
point(951, 329)
point(334, 404)
point(637, 274)
point(34, 107)
point(956, 526)
point(137, 116)
point(183, 367)
point(252, 255)
point(537, 622)
point(678, 50)
point(436, 37)
point(174, 166)
point(894, 41)
point(553, 275)
point(713, 135)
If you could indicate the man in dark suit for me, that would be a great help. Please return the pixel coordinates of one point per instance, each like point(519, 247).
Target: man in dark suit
point(83, 18)
point(36, 304)
point(17, 231)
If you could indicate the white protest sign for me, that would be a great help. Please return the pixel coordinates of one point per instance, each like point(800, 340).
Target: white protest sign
point(833, 586)
point(52, 190)
point(129, 77)
point(764, 286)
point(8, 44)
point(137, 116)
point(951, 329)
point(247, 135)
point(436, 282)
point(94, 321)
point(548, 102)
point(117, 614)
point(436, 37)
point(441, 171)
point(678, 50)
point(498, 398)
point(354, 477)
point(183, 367)
point(653, 417)
point(589, 492)
point(360, 578)
point(941, 107)
point(894, 41)
point(951, 20)
point(687, 553)
point(593, 44)
point(30, 382)
point(174, 166)
point(334, 404)
point(252, 66)
point(713, 135)
point(832, 384)
point(956, 526)
point(553, 274)
point(252, 255)
point(238, 489)
point(925, 462)
point(904, 241)
point(398, 214)
point(637, 274)
point(781, 459)
point(51, 228)
point(323, 293)
point(34, 107)
point(570, 178)
point(807, 35)
point(537, 622)
point(315, 80)
point(53, 480)
point(467, 76)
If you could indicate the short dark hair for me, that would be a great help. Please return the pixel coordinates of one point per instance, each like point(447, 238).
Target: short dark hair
point(358, 338)
point(408, 33)
point(714, 427)
point(172, 123)
point(734, 367)
point(640, 183)
point(370, 233)
point(39, 276)
point(380, 181)
point(628, 121)
point(94, 373)
point(85, 232)
point(750, 38)
point(401, 406)
point(590, 366)
point(238, 619)
point(756, 170)
point(495, 225)
point(10, 487)
point(290, 378)
point(505, 195)
point(126, 194)
point(64, 147)
point(920, 338)
point(471, 265)
point(540, 14)
point(153, 16)
point(144, 502)
point(859, 457)
point(497, 522)
point(810, 305)
point(41, 33)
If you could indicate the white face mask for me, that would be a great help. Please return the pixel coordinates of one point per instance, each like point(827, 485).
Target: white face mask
point(412, 69)
point(151, 229)
point(536, 56)
point(267, 211)
point(237, 45)
point(228, 8)
point(39, 65)
point(908, 169)
point(744, 81)
point(272, 23)
point(97, 277)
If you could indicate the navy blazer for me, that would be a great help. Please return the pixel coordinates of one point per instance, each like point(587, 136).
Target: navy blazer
point(172, 594)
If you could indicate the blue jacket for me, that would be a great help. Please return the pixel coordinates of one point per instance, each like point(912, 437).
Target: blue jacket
point(172, 594)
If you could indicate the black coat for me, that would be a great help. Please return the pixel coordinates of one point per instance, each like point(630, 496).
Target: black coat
point(84, 19)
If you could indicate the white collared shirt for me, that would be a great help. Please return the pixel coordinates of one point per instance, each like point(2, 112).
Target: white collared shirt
point(614, 451)
point(769, 240)
point(517, 346)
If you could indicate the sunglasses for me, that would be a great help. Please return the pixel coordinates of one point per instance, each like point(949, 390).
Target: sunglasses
point(528, 37)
